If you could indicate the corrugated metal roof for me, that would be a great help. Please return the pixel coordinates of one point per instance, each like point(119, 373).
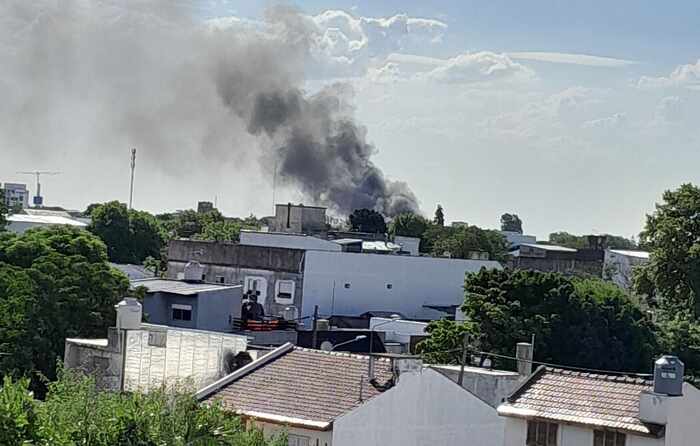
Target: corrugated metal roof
point(179, 286)
point(44, 220)
point(549, 247)
point(630, 253)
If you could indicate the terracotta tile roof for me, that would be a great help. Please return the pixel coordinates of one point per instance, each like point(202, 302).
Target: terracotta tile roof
point(302, 386)
point(605, 401)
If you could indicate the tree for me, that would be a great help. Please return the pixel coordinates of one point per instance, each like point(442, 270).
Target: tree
point(512, 223)
point(408, 225)
point(581, 241)
point(582, 323)
point(75, 412)
point(55, 283)
point(671, 279)
point(3, 210)
point(368, 220)
point(439, 216)
point(131, 236)
point(226, 231)
point(461, 241)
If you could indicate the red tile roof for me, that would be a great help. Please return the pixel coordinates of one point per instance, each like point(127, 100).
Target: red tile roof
point(605, 401)
point(302, 386)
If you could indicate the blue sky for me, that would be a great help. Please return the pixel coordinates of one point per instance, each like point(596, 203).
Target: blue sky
point(575, 115)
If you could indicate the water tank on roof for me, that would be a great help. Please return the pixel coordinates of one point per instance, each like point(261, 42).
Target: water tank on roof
point(668, 376)
point(193, 271)
point(128, 314)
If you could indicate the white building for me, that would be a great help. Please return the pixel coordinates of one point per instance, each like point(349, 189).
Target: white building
point(556, 407)
point(350, 284)
point(326, 398)
point(516, 239)
point(618, 265)
point(19, 223)
point(140, 357)
point(16, 195)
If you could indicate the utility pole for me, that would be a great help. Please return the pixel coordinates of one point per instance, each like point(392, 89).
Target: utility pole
point(131, 184)
point(465, 351)
point(314, 336)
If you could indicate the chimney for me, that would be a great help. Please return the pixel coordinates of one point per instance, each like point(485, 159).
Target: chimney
point(523, 353)
point(193, 271)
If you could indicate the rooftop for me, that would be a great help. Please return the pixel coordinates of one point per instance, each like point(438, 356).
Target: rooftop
point(179, 286)
point(44, 220)
point(631, 253)
point(589, 399)
point(548, 247)
point(298, 386)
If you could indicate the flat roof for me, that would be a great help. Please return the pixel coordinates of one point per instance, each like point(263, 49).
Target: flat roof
point(474, 370)
point(44, 220)
point(549, 247)
point(179, 286)
point(90, 342)
point(631, 253)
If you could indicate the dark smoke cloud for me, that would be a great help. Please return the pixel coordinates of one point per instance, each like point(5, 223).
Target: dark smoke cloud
point(110, 74)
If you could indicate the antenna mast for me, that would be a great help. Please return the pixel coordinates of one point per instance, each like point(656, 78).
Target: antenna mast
point(131, 183)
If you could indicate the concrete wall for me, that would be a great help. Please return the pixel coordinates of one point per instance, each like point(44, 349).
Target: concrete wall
point(320, 438)
point(299, 219)
point(217, 309)
point(293, 241)
point(618, 268)
point(350, 284)
point(158, 309)
point(492, 386)
point(683, 428)
point(425, 408)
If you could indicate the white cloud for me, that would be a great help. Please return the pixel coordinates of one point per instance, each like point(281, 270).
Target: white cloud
point(670, 109)
point(573, 59)
point(687, 76)
point(479, 67)
point(614, 122)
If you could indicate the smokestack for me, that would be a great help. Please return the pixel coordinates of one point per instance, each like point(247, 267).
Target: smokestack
point(523, 353)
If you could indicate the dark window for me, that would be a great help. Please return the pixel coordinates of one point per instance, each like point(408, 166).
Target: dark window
point(182, 315)
point(347, 285)
point(541, 434)
point(389, 286)
point(608, 438)
point(204, 277)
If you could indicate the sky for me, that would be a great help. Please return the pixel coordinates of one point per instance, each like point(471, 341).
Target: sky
point(574, 115)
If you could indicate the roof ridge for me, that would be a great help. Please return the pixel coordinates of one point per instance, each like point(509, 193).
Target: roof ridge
point(630, 378)
point(338, 354)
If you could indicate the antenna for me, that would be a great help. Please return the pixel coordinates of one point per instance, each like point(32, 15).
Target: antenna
point(38, 199)
point(131, 183)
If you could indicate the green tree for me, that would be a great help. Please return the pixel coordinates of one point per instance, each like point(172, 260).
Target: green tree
point(227, 231)
point(55, 283)
point(3, 210)
point(581, 241)
point(671, 279)
point(461, 241)
point(439, 216)
point(131, 236)
point(408, 225)
point(75, 412)
point(512, 223)
point(583, 323)
point(368, 220)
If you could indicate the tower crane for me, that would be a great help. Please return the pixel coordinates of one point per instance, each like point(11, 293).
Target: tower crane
point(38, 199)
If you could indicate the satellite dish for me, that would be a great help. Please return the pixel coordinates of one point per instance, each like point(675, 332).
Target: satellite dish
point(326, 346)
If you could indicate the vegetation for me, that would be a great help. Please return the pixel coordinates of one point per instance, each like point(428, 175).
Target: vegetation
point(368, 220)
point(131, 236)
point(581, 241)
point(439, 216)
point(75, 413)
point(3, 210)
point(55, 283)
point(583, 323)
point(205, 226)
point(408, 225)
point(512, 223)
point(460, 241)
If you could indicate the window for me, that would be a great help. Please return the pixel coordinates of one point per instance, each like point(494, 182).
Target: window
point(182, 312)
point(347, 286)
point(298, 440)
point(220, 279)
point(389, 286)
point(608, 438)
point(541, 434)
point(258, 285)
point(157, 338)
point(284, 292)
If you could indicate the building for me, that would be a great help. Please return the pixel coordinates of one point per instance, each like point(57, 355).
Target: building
point(132, 271)
point(19, 223)
point(16, 195)
point(553, 258)
point(137, 356)
point(620, 263)
point(299, 219)
point(204, 207)
point(327, 398)
point(287, 240)
point(570, 408)
point(515, 239)
point(341, 283)
point(191, 303)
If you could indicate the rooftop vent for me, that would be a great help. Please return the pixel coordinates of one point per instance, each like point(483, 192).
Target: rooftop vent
point(193, 271)
point(668, 376)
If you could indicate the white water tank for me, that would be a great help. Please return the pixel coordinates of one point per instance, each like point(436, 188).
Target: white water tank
point(129, 313)
point(193, 271)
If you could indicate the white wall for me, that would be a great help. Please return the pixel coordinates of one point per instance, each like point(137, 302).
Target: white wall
point(571, 435)
point(415, 281)
point(270, 430)
point(291, 241)
point(189, 355)
point(425, 408)
point(683, 428)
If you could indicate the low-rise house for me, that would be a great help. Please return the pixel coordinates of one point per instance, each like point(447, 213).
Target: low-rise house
point(328, 398)
point(557, 407)
point(191, 303)
point(138, 356)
